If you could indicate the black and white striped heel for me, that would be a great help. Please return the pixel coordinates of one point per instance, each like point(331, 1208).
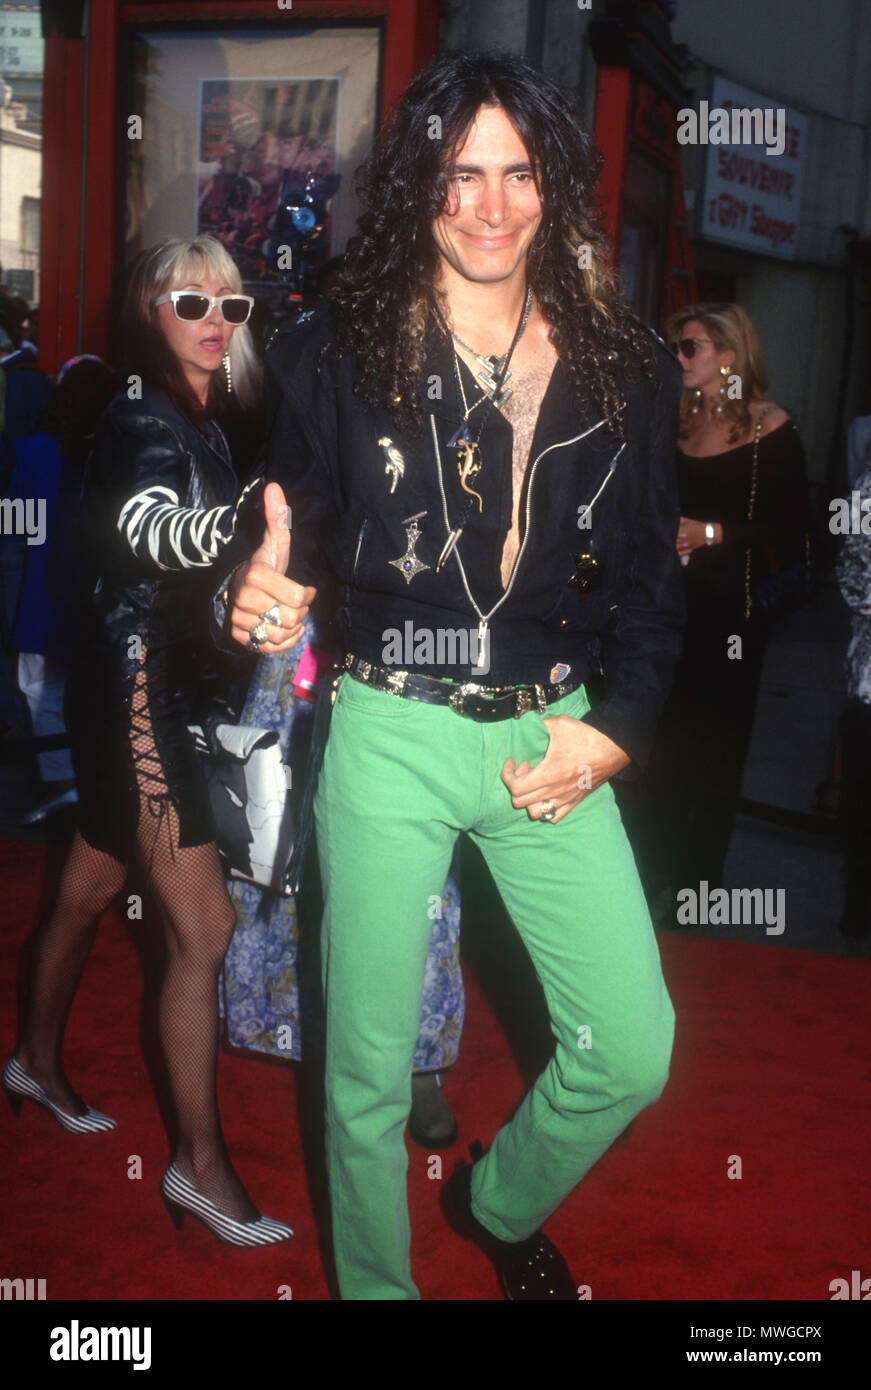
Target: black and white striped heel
point(181, 1197)
point(19, 1086)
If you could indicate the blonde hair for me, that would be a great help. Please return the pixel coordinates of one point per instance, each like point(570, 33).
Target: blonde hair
point(167, 266)
point(730, 326)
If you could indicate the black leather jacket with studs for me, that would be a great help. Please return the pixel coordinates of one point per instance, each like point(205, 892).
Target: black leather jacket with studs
point(377, 522)
point(160, 501)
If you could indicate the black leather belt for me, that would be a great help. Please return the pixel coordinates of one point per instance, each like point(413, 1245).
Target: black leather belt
point(484, 703)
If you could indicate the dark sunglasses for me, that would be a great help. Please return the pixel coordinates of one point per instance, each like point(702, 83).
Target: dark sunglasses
point(191, 307)
point(687, 346)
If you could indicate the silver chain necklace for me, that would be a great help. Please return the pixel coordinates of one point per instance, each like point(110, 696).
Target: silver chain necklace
point(493, 366)
point(469, 460)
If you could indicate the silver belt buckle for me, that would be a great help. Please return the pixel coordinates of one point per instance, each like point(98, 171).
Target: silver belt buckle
point(522, 704)
point(395, 682)
point(457, 696)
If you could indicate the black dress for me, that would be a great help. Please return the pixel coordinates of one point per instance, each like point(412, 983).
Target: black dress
point(159, 505)
point(681, 819)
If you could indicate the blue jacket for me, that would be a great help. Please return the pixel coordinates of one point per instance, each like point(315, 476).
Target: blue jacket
point(27, 393)
point(47, 607)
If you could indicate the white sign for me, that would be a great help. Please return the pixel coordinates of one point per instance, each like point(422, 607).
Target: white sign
point(754, 160)
point(21, 42)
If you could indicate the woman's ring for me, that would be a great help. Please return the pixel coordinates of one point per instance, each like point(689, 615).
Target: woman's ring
point(548, 810)
point(272, 615)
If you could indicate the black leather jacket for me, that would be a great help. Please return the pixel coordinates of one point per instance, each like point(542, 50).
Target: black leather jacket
point(174, 492)
point(326, 449)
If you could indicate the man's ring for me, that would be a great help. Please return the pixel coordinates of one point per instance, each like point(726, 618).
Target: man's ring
point(272, 615)
point(257, 635)
point(548, 810)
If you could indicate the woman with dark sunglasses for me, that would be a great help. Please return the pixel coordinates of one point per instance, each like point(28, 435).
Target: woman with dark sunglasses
point(739, 519)
point(159, 504)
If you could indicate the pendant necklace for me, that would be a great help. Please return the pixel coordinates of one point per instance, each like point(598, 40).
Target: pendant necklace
point(469, 461)
point(495, 369)
point(468, 452)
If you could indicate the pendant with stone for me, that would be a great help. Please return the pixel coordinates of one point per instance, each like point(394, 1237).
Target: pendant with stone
point(408, 564)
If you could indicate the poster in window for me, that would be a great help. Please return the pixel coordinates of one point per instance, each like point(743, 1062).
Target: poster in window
point(233, 120)
point(268, 170)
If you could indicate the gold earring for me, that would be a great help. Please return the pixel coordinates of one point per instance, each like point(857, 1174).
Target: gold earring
point(724, 373)
point(696, 406)
point(225, 362)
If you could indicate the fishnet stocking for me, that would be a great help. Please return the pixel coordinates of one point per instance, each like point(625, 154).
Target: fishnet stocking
point(188, 888)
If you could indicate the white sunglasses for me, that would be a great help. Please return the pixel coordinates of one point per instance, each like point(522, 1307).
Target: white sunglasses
point(190, 306)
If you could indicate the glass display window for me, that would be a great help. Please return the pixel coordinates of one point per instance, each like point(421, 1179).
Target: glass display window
point(253, 137)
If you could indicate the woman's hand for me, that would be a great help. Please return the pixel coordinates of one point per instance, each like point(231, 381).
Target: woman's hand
point(691, 534)
point(260, 584)
point(578, 760)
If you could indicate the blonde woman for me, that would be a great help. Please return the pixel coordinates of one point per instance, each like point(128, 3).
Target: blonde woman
point(744, 512)
point(159, 505)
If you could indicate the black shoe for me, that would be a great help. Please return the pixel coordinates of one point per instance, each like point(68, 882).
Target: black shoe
point(531, 1269)
point(431, 1122)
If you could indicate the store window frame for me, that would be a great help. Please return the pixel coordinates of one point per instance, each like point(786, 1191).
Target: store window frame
point(132, 33)
point(85, 98)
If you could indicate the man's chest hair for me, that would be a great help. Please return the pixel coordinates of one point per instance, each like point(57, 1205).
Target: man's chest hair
point(522, 411)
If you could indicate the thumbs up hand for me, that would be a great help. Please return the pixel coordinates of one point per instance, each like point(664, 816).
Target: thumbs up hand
point(274, 549)
point(263, 583)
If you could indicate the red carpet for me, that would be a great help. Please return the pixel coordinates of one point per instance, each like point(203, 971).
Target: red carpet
point(771, 1064)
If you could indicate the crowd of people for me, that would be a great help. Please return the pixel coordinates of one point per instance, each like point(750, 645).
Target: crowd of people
point(186, 581)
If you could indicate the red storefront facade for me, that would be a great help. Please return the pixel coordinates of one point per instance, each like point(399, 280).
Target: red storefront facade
point(86, 128)
point(638, 96)
point(89, 98)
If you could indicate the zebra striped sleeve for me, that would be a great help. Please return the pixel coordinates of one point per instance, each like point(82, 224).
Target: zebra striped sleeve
point(158, 530)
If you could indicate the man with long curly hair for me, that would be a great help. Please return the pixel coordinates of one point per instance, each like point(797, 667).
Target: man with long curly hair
point(476, 439)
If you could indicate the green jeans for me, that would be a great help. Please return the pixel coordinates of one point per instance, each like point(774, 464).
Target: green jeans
point(400, 780)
